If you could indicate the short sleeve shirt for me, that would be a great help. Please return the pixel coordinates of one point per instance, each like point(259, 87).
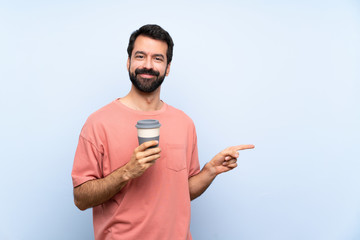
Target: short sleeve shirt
point(155, 205)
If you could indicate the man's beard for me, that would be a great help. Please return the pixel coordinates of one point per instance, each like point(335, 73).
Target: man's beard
point(144, 84)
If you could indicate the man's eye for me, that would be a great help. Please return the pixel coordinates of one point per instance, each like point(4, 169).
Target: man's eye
point(158, 59)
point(139, 56)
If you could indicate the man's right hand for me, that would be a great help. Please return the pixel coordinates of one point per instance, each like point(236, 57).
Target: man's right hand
point(142, 158)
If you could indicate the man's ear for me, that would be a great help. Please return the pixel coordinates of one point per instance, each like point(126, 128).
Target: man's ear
point(128, 64)
point(168, 69)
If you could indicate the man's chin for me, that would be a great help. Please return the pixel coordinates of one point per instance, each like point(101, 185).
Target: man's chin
point(146, 90)
point(146, 85)
point(146, 80)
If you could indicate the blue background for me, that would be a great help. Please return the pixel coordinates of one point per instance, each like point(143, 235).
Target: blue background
point(283, 75)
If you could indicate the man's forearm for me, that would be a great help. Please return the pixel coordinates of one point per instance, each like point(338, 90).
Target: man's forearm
point(200, 182)
point(98, 191)
point(222, 162)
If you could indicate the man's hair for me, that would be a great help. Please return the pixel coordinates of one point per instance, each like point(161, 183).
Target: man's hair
point(155, 32)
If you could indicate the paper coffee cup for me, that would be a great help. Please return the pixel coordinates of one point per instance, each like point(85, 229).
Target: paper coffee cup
point(148, 130)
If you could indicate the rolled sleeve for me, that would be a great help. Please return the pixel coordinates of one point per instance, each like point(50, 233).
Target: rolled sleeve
point(87, 163)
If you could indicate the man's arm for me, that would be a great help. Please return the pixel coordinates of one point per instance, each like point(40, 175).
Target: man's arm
point(222, 162)
point(98, 191)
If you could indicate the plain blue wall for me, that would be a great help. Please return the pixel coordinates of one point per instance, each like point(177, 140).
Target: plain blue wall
point(283, 75)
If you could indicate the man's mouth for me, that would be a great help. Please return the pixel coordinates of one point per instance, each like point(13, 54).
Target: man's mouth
point(146, 73)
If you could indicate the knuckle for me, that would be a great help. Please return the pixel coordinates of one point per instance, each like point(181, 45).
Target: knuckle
point(152, 158)
point(156, 150)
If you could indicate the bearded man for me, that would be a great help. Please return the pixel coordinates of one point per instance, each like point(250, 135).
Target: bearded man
point(143, 191)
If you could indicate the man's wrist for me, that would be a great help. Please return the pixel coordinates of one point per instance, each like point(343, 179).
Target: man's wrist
point(125, 174)
point(210, 170)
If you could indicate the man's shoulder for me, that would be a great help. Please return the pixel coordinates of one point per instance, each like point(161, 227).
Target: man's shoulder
point(180, 114)
point(103, 111)
point(102, 115)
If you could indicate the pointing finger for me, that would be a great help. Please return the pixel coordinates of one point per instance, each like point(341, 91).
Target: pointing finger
point(232, 151)
point(243, 147)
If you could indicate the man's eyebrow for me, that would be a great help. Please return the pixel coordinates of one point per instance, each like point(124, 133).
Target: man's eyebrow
point(139, 52)
point(155, 55)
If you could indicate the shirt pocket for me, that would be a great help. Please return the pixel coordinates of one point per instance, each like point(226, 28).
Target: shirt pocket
point(176, 157)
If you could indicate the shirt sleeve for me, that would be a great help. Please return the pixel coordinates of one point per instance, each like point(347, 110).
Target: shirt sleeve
point(194, 161)
point(86, 163)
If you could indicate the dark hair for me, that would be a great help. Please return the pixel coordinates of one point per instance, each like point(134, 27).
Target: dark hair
point(155, 32)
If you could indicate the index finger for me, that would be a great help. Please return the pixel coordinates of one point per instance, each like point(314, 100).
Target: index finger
point(243, 147)
point(146, 145)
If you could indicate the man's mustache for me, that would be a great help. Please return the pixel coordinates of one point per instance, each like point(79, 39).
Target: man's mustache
point(147, 71)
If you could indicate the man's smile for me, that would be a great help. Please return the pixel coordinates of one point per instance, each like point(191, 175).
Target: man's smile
point(144, 75)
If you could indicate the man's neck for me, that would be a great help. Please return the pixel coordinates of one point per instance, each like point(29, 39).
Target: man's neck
point(142, 101)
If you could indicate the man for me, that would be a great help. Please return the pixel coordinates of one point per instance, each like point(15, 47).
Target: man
point(138, 192)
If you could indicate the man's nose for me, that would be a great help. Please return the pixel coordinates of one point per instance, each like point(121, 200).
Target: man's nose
point(148, 63)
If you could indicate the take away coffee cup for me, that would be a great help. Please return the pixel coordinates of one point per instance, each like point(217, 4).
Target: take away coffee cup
point(148, 130)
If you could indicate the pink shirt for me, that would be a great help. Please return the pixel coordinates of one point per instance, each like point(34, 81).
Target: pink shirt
point(155, 205)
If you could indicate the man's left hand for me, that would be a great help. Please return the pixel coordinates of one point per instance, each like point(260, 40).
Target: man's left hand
point(226, 159)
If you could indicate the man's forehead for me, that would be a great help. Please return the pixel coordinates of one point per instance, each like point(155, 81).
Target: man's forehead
point(149, 45)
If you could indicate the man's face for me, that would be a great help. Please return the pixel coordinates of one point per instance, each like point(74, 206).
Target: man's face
point(148, 64)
